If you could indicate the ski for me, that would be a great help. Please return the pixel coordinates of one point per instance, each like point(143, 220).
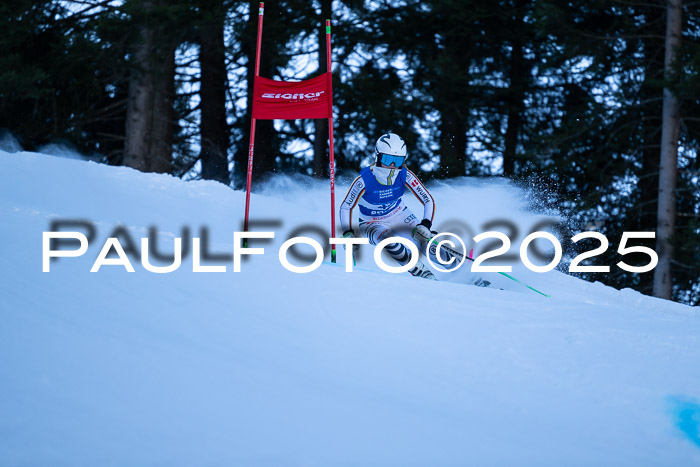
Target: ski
point(462, 257)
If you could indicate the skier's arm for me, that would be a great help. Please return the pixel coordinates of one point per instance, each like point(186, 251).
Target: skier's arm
point(350, 201)
point(423, 195)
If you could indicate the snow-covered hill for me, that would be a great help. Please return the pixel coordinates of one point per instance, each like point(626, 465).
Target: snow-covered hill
point(267, 367)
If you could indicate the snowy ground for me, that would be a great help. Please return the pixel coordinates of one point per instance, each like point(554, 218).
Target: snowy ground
point(270, 368)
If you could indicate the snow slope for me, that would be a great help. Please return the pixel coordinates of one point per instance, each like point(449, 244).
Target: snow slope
point(270, 368)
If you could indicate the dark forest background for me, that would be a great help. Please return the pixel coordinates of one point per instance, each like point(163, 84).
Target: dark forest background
point(595, 104)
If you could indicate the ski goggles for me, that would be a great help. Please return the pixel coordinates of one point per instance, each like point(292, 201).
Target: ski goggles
point(388, 159)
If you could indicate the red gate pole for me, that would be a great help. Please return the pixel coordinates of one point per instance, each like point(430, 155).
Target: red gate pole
point(330, 132)
point(252, 119)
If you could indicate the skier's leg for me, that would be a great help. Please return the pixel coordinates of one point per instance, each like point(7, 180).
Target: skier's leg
point(378, 231)
point(407, 222)
point(407, 218)
point(450, 260)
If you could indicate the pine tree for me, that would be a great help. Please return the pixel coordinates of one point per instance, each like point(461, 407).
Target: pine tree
point(62, 77)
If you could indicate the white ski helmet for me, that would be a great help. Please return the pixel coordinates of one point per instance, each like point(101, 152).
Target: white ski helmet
point(392, 148)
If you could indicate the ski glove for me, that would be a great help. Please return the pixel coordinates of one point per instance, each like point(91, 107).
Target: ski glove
point(351, 234)
point(422, 231)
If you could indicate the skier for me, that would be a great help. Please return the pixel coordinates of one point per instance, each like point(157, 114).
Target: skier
point(378, 191)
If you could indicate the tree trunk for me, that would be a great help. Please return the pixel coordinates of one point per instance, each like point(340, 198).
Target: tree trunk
point(137, 143)
point(321, 154)
point(149, 120)
point(516, 96)
point(453, 141)
point(214, 130)
point(668, 168)
point(452, 102)
point(643, 216)
point(265, 157)
point(162, 132)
